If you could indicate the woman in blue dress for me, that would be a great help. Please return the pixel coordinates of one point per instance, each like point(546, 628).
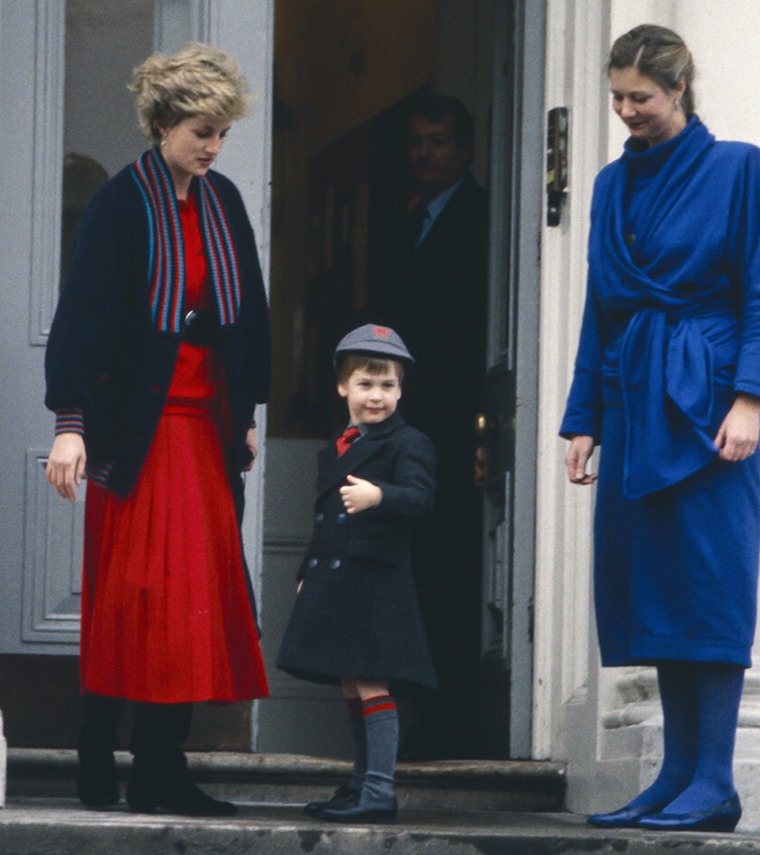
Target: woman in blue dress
point(667, 382)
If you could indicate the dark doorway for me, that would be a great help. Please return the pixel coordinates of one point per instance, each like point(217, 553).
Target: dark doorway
point(342, 193)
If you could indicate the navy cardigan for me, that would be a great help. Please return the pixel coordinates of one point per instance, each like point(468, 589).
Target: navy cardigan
point(107, 360)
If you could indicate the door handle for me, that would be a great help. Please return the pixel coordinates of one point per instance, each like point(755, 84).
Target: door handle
point(482, 427)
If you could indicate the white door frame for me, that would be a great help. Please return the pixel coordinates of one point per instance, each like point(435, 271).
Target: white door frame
point(245, 29)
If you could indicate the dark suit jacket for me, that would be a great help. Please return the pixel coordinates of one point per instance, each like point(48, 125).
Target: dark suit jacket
point(435, 297)
point(357, 614)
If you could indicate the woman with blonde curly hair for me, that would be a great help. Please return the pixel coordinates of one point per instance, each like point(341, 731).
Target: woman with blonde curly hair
point(158, 354)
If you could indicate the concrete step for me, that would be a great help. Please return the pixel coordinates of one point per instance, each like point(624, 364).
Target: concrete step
point(446, 808)
point(293, 779)
point(60, 827)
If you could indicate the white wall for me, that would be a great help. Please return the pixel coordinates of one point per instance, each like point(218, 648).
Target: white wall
point(723, 38)
point(565, 694)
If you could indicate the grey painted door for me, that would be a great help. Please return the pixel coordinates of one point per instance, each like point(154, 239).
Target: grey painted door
point(299, 717)
point(69, 125)
point(39, 535)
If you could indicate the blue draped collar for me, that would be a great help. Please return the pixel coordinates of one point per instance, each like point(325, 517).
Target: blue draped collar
point(665, 362)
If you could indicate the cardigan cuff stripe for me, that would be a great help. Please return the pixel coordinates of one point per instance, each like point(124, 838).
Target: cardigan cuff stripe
point(69, 421)
point(99, 474)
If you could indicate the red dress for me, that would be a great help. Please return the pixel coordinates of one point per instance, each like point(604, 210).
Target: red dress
point(166, 613)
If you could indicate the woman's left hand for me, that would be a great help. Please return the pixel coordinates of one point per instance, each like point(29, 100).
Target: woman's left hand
point(737, 437)
point(253, 447)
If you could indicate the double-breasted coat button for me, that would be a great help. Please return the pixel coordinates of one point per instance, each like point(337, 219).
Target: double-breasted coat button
point(342, 519)
point(335, 564)
point(320, 517)
point(313, 562)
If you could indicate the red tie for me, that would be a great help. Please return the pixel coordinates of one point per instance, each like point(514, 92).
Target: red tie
point(345, 439)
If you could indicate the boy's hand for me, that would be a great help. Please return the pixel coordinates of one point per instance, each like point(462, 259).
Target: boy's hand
point(360, 495)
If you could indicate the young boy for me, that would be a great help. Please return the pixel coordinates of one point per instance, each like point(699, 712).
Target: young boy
point(356, 621)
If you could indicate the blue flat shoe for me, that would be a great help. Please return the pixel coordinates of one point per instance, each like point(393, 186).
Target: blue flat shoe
point(626, 817)
point(721, 817)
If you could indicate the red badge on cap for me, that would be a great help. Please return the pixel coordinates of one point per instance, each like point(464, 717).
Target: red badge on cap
point(381, 332)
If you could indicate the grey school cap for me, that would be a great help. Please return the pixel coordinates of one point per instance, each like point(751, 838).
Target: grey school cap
point(375, 340)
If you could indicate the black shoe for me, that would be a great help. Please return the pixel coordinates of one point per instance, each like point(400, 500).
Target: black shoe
point(626, 817)
point(180, 796)
point(721, 817)
point(345, 795)
point(382, 812)
point(97, 784)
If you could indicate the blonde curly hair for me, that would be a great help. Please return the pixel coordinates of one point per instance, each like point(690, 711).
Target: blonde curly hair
point(200, 80)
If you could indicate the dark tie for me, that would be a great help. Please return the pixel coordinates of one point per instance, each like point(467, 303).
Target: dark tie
point(416, 222)
point(345, 439)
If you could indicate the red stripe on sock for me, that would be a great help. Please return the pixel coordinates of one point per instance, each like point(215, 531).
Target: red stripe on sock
point(378, 708)
point(378, 704)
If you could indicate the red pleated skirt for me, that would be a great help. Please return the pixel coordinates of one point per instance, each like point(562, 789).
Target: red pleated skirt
point(166, 612)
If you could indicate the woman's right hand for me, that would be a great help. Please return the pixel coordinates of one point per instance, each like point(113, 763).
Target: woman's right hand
point(577, 458)
point(65, 466)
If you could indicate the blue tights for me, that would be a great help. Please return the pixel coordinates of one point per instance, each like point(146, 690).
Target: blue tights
point(700, 705)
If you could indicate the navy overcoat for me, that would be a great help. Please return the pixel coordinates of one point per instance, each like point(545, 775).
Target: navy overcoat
point(357, 614)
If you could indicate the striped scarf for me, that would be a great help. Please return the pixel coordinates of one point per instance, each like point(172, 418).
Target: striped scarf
point(166, 256)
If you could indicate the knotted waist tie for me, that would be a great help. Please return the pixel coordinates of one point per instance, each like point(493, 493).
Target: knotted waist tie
point(666, 374)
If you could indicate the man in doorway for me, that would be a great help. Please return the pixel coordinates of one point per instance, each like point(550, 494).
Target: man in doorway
point(435, 295)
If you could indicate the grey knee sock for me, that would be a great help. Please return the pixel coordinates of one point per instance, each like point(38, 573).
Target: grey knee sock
point(381, 726)
point(359, 735)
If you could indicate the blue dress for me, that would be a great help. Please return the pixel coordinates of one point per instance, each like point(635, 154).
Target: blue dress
point(670, 333)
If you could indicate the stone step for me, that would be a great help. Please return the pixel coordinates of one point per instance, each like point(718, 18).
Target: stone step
point(60, 827)
point(292, 779)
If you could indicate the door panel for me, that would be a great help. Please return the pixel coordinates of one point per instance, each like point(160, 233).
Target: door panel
point(52, 559)
point(31, 51)
point(68, 125)
point(298, 717)
point(63, 131)
point(522, 95)
point(516, 185)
